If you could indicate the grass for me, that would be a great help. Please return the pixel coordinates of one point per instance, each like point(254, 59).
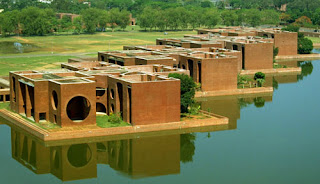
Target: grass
point(43, 125)
point(4, 105)
point(314, 39)
point(277, 65)
point(86, 43)
point(31, 63)
point(103, 121)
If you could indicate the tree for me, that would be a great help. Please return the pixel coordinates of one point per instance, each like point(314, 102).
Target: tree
point(303, 21)
point(147, 18)
point(211, 18)
point(195, 17)
point(124, 19)
point(252, 17)
point(270, 17)
point(103, 19)
point(305, 45)
point(172, 18)
point(90, 19)
point(114, 15)
point(187, 90)
point(77, 24)
point(10, 22)
point(229, 17)
point(65, 22)
point(291, 28)
point(36, 21)
point(260, 78)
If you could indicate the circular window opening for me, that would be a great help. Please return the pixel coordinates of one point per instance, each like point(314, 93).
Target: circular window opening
point(101, 108)
point(79, 155)
point(112, 93)
point(112, 108)
point(54, 100)
point(100, 91)
point(78, 108)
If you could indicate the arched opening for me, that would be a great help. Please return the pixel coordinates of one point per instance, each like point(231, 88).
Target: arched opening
point(112, 108)
point(100, 91)
point(102, 58)
point(79, 155)
point(78, 108)
point(190, 67)
point(183, 66)
point(55, 101)
point(199, 71)
point(120, 97)
point(112, 94)
point(101, 108)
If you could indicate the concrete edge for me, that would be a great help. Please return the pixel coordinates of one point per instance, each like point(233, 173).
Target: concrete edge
point(294, 70)
point(235, 92)
point(299, 56)
point(14, 120)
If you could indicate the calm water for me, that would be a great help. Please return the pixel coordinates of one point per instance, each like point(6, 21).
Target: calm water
point(270, 139)
point(16, 48)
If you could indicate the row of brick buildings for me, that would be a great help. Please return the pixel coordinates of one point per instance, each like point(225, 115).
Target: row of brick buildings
point(134, 82)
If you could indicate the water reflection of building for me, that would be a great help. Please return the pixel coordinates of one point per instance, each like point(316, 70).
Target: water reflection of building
point(142, 157)
point(229, 106)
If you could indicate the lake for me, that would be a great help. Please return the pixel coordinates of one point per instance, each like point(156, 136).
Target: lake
point(270, 139)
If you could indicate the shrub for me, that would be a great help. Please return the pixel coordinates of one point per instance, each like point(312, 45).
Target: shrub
point(305, 45)
point(115, 118)
point(259, 75)
point(187, 90)
point(260, 78)
point(291, 28)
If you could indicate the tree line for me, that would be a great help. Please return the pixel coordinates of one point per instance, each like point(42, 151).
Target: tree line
point(37, 21)
point(182, 18)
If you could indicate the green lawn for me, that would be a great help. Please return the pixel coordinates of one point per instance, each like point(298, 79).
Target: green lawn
point(4, 105)
point(31, 63)
point(88, 43)
point(314, 39)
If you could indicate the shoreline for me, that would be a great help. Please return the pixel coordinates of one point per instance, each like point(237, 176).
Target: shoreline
point(299, 56)
point(280, 71)
point(245, 91)
point(12, 119)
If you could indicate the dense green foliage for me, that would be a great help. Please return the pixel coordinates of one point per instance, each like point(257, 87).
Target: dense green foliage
point(187, 90)
point(260, 78)
point(305, 45)
point(162, 15)
point(113, 120)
